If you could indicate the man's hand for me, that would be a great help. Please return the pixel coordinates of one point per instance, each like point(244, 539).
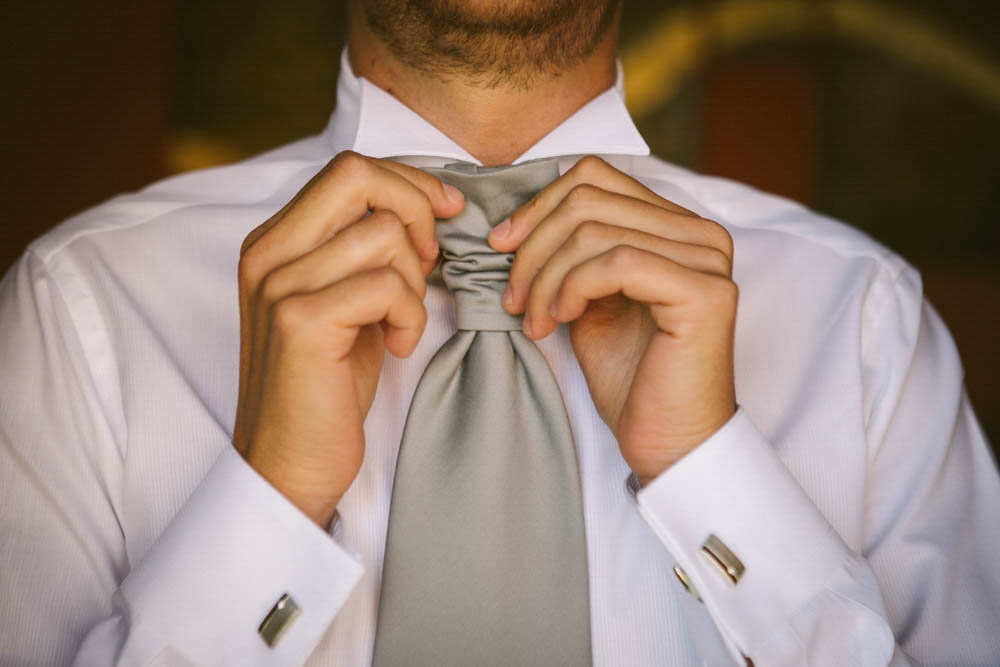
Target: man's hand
point(647, 287)
point(326, 285)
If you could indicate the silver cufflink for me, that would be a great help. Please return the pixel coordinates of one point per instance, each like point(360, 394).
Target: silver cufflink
point(282, 614)
point(632, 486)
point(722, 558)
point(686, 583)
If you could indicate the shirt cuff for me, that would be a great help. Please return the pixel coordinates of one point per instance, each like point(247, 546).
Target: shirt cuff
point(734, 487)
point(232, 551)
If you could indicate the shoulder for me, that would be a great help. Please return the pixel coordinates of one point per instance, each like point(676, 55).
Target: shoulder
point(753, 216)
point(793, 265)
point(259, 181)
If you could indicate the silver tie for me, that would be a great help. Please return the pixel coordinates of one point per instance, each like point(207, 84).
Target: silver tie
point(485, 560)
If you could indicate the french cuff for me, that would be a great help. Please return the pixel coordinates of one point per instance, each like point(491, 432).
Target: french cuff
point(240, 576)
point(744, 533)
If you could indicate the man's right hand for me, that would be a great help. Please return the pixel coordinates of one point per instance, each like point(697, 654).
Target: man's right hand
point(326, 285)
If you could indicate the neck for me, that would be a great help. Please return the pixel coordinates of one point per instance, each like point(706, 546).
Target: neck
point(494, 124)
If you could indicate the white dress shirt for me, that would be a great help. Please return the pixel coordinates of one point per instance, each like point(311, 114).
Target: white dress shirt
point(854, 484)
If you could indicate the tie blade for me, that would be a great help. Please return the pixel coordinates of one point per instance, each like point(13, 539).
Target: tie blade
point(486, 551)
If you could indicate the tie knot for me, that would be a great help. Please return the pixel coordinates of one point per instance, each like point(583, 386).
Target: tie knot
point(471, 269)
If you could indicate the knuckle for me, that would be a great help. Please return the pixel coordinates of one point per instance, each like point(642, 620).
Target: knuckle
point(420, 316)
point(270, 289)
point(369, 242)
point(350, 163)
point(354, 252)
point(387, 279)
point(590, 167)
point(387, 226)
point(247, 243)
point(720, 236)
point(582, 195)
point(259, 233)
point(588, 233)
point(719, 262)
point(250, 269)
point(725, 293)
point(622, 258)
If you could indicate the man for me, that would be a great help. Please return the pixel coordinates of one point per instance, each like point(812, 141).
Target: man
point(163, 495)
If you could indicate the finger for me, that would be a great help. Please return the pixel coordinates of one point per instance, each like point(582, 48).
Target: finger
point(589, 203)
point(258, 231)
point(331, 318)
point(348, 188)
point(594, 238)
point(446, 200)
point(452, 205)
point(376, 241)
point(681, 300)
point(590, 170)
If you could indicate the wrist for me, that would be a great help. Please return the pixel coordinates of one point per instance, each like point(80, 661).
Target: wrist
point(310, 493)
point(648, 462)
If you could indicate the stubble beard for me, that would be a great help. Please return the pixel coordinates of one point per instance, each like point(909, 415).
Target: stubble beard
point(506, 43)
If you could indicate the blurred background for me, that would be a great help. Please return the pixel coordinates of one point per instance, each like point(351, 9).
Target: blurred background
point(883, 113)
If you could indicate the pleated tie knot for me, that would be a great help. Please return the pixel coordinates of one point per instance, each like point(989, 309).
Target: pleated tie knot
point(474, 272)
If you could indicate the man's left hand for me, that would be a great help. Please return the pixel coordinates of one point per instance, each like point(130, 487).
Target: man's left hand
point(647, 289)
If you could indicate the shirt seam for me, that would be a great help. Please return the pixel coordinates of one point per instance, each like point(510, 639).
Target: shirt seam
point(118, 424)
point(871, 315)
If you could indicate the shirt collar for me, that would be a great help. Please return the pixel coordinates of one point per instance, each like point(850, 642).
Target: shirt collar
point(372, 122)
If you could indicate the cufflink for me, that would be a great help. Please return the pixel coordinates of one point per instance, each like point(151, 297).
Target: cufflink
point(282, 614)
point(632, 486)
point(335, 528)
point(686, 583)
point(719, 555)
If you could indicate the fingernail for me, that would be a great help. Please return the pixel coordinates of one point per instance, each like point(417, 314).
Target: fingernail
point(508, 295)
point(554, 309)
point(453, 194)
point(502, 230)
point(527, 325)
point(437, 247)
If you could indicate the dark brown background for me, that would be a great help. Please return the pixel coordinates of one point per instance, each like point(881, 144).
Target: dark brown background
point(884, 114)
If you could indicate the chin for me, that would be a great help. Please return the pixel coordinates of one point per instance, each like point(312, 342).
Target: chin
point(491, 42)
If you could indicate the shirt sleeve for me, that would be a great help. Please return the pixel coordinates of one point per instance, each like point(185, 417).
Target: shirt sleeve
point(68, 592)
point(921, 592)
